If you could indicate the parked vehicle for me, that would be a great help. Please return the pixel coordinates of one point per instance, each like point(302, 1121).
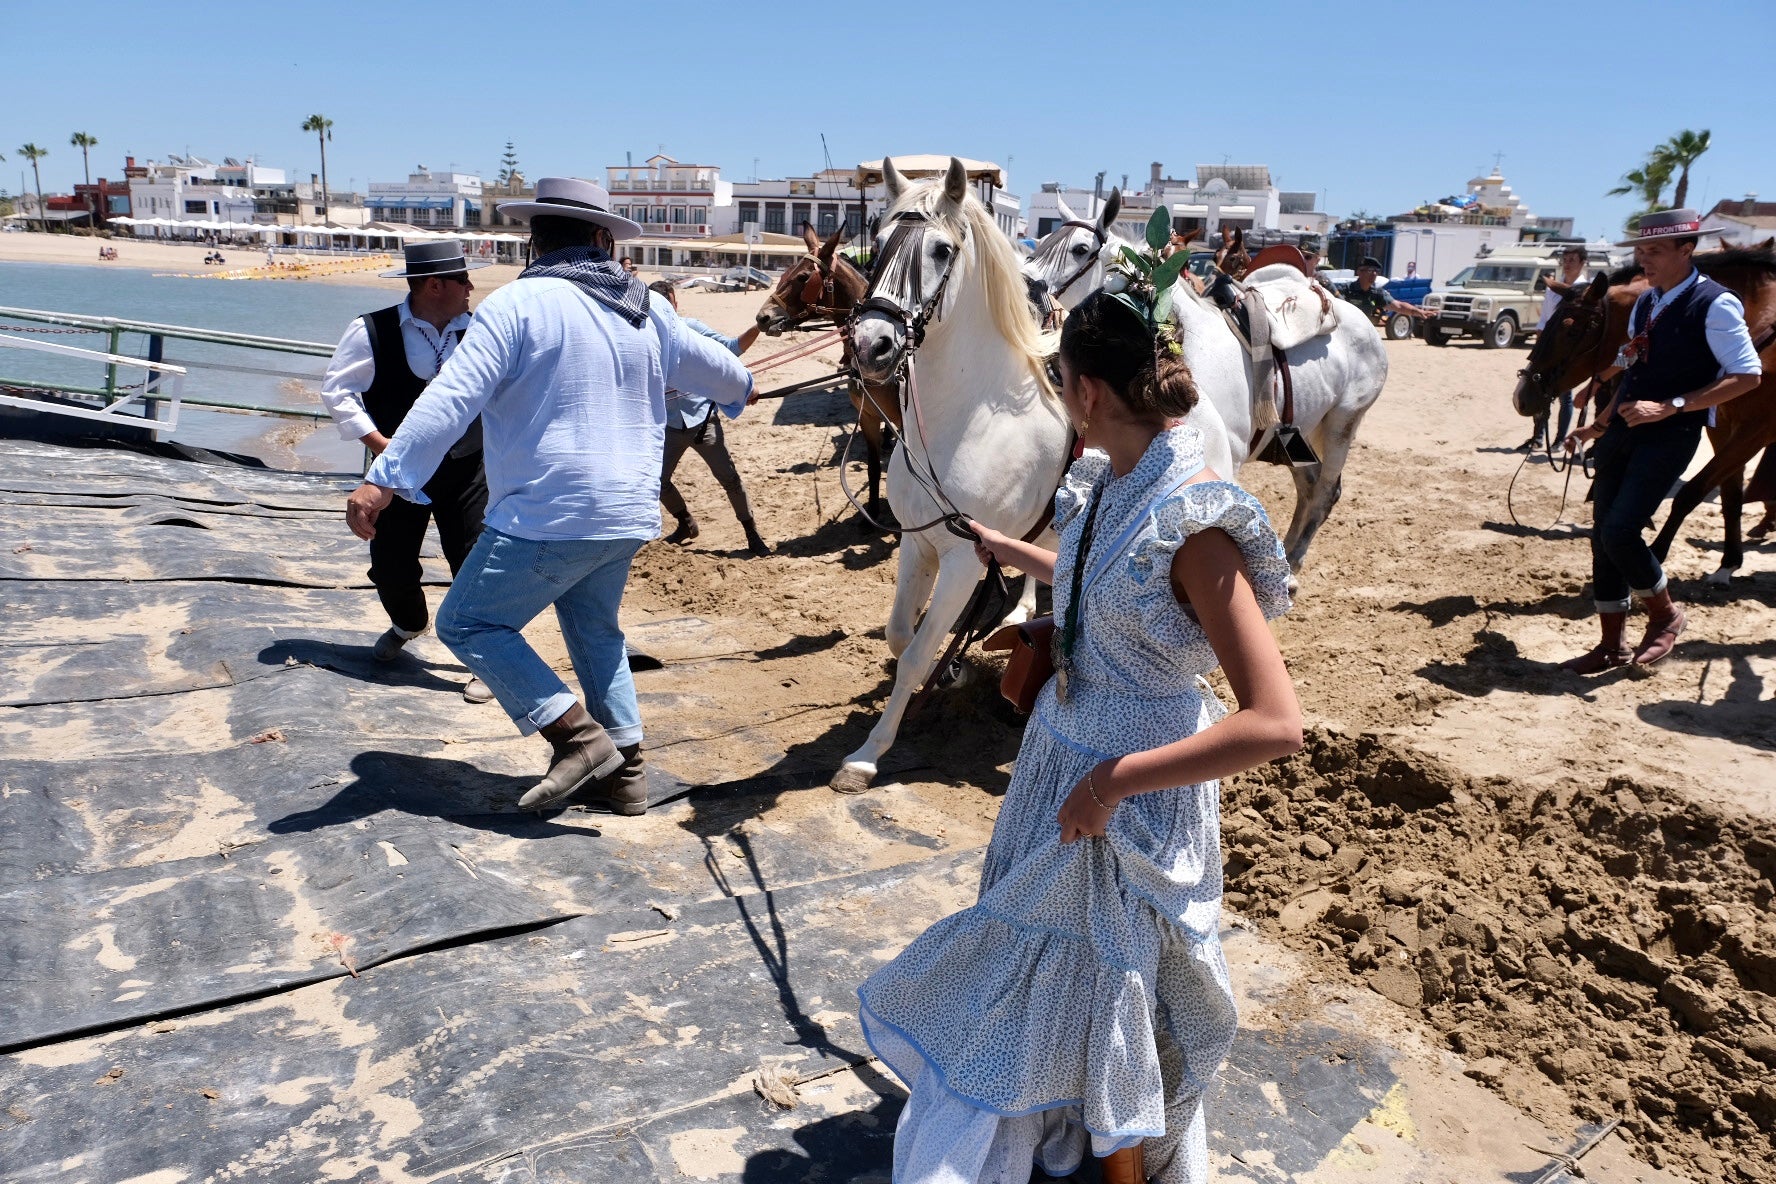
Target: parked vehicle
point(1499, 297)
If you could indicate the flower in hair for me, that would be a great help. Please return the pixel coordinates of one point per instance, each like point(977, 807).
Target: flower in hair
point(1142, 281)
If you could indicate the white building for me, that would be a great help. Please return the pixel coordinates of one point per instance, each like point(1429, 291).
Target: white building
point(192, 189)
point(671, 199)
point(1220, 198)
point(1439, 238)
point(1742, 222)
point(426, 198)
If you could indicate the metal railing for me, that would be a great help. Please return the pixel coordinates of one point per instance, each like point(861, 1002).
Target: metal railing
point(70, 399)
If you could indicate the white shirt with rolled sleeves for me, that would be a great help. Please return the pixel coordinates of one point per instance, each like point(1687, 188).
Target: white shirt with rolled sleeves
point(572, 400)
point(353, 367)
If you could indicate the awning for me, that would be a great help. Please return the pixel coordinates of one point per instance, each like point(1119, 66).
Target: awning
point(413, 203)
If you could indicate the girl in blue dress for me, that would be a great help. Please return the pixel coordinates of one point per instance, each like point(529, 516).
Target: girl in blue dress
point(1083, 1004)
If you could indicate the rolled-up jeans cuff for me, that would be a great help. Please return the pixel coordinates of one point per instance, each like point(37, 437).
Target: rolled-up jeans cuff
point(624, 737)
point(1614, 606)
point(1658, 587)
point(553, 708)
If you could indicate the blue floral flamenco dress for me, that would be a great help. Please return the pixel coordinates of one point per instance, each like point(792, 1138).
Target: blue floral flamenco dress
point(1083, 1002)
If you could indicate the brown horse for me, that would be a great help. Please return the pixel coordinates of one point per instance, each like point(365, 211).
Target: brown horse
point(823, 284)
point(1231, 260)
point(1582, 340)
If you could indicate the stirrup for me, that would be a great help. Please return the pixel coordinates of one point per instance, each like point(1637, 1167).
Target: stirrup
point(1285, 445)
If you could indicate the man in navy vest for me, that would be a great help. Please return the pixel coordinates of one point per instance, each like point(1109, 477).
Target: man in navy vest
point(383, 362)
point(1688, 352)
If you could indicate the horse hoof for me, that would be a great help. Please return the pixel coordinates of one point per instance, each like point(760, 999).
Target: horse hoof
point(1720, 577)
point(1294, 584)
point(853, 778)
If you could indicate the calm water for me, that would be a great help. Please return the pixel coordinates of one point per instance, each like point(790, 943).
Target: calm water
point(305, 311)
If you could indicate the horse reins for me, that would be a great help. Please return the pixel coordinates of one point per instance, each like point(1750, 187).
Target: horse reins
point(1090, 263)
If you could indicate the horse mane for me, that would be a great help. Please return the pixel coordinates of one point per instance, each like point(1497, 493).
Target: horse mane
point(1623, 274)
point(1749, 258)
point(1001, 272)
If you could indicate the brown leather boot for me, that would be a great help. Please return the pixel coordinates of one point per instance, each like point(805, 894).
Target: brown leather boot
point(1610, 653)
point(583, 754)
point(626, 790)
point(1665, 620)
point(1123, 1167)
point(687, 530)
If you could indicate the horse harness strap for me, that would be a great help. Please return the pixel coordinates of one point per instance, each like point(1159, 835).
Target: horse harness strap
point(1089, 263)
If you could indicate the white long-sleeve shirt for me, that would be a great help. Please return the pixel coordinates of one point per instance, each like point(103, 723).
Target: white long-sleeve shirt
point(353, 367)
point(572, 400)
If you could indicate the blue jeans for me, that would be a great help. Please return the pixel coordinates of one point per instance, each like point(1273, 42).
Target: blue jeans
point(1636, 468)
point(503, 585)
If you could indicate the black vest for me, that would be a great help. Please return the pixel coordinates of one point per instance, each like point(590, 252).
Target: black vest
point(1677, 359)
point(395, 386)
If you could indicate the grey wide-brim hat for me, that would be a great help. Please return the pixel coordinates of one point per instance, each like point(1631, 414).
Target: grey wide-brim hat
point(570, 197)
point(435, 258)
point(1677, 224)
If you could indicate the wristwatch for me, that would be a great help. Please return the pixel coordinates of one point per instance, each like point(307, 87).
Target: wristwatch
point(1677, 404)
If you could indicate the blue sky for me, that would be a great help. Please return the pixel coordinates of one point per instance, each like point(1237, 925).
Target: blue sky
point(1379, 106)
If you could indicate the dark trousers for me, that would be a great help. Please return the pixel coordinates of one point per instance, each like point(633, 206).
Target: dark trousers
point(1636, 468)
point(1566, 418)
point(459, 501)
point(707, 438)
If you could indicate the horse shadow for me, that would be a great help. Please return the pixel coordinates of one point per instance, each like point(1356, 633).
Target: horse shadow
point(857, 1145)
point(824, 409)
point(857, 544)
point(359, 662)
point(1494, 663)
point(1741, 715)
point(1443, 610)
point(1557, 533)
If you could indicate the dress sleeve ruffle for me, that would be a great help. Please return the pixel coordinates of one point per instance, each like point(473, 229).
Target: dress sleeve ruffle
point(1210, 505)
point(1076, 487)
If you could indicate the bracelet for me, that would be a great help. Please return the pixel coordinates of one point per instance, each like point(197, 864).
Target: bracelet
point(1091, 787)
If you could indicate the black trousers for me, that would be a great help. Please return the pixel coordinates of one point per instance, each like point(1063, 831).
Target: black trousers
point(711, 444)
point(1636, 468)
point(459, 501)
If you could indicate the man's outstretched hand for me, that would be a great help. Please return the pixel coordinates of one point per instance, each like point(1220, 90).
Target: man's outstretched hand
point(366, 502)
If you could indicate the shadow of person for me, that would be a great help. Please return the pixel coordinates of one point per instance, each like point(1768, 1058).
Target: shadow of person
point(858, 543)
point(827, 409)
point(1494, 663)
point(857, 1145)
point(426, 787)
point(359, 662)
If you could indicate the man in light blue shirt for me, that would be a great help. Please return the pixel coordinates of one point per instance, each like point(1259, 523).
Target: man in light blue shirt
point(691, 422)
point(568, 368)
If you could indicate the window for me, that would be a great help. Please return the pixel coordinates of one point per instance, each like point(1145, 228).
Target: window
point(853, 222)
point(659, 215)
point(749, 212)
point(197, 207)
point(829, 220)
point(678, 215)
point(1045, 226)
point(774, 217)
point(117, 204)
point(472, 217)
point(798, 214)
point(700, 214)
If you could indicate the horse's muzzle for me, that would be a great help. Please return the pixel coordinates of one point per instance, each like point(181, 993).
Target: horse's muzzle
point(877, 346)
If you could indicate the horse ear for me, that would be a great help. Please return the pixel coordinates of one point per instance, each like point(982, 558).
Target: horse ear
point(809, 238)
point(892, 182)
point(1067, 214)
point(1112, 207)
point(955, 182)
point(825, 253)
point(1597, 289)
point(1191, 235)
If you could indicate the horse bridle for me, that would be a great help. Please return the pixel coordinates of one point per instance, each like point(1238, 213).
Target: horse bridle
point(1597, 324)
point(908, 234)
point(1098, 234)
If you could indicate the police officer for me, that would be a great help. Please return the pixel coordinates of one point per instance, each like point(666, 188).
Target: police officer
point(1375, 301)
point(383, 362)
point(1688, 352)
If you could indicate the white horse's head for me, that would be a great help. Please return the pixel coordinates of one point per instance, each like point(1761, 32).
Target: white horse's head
point(1071, 259)
point(925, 241)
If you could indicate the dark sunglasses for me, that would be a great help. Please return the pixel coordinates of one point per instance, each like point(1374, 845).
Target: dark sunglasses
point(1051, 366)
point(457, 277)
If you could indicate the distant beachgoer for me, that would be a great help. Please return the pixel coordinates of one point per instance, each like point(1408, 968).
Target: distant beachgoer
point(1083, 1004)
point(383, 363)
point(568, 367)
point(692, 422)
point(1688, 351)
point(1568, 282)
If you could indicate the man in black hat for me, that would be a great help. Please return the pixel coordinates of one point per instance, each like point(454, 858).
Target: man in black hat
point(383, 362)
point(1688, 352)
point(1375, 301)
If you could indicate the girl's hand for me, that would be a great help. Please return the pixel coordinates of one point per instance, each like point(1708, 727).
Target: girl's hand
point(1081, 815)
point(989, 543)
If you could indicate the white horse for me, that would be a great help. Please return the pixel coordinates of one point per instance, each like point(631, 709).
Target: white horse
point(1336, 378)
point(983, 430)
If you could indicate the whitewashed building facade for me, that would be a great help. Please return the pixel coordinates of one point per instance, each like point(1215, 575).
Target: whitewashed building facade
point(443, 200)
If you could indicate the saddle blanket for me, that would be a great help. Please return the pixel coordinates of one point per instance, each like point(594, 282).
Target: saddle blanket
point(1300, 310)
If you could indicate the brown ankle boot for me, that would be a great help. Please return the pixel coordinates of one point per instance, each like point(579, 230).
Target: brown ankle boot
point(1665, 620)
point(1123, 1167)
point(1610, 653)
point(687, 531)
point(625, 791)
point(583, 754)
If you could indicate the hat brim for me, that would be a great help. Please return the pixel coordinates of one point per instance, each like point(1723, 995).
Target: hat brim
point(621, 228)
point(1698, 235)
point(401, 273)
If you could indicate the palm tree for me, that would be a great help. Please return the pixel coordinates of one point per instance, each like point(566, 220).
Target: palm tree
point(1646, 182)
point(34, 154)
point(85, 143)
point(1679, 153)
point(322, 127)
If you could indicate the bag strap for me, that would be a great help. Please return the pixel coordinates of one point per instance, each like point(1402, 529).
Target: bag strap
point(1133, 528)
